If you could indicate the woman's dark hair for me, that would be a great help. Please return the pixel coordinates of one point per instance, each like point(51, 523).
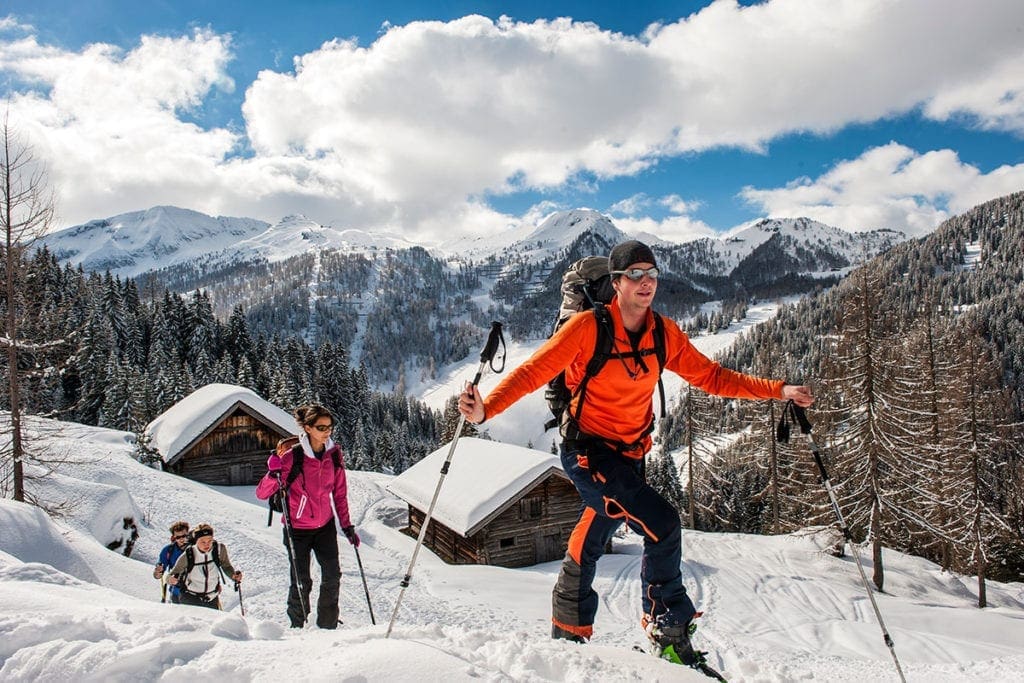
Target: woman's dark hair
point(309, 414)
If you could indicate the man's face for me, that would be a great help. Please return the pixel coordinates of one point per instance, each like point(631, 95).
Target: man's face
point(636, 293)
point(180, 537)
point(205, 543)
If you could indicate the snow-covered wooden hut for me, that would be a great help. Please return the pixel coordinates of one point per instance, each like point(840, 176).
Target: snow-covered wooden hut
point(219, 434)
point(500, 504)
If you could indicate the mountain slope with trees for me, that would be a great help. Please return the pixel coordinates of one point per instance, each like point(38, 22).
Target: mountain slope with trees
point(916, 358)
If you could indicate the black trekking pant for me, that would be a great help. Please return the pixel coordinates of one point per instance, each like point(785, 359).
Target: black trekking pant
point(198, 600)
point(322, 542)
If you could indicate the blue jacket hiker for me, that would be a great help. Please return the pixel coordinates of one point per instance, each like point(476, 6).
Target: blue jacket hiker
point(168, 556)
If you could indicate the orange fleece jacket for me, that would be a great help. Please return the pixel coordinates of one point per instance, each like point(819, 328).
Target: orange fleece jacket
point(616, 406)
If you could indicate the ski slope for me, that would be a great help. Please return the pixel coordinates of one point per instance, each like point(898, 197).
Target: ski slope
point(776, 608)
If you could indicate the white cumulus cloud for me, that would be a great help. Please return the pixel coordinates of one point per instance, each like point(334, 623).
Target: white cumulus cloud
point(892, 186)
point(410, 132)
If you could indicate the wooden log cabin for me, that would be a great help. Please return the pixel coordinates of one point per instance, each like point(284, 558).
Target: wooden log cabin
point(500, 504)
point(219, 434)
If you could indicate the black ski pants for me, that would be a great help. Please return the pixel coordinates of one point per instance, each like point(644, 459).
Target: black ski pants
point(614, 493)
point(323, 543)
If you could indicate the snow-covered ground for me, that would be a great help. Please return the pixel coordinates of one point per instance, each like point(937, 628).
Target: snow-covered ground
point(776, 608)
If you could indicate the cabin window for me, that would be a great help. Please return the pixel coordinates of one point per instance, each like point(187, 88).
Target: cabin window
point(507, 542)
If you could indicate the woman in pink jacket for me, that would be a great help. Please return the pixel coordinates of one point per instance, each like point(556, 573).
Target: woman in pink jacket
point(321, 481)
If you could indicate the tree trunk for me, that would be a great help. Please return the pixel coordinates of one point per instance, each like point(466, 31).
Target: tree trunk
point(980, 568)
point(26, 209)
point(11, 262)
point(878, 575)
point(774, 464)
point(17, 445)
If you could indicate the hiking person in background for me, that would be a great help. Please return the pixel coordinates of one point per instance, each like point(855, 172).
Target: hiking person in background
point(169, 555)
point(606, 432)
point(322, 480)
point(198, 571)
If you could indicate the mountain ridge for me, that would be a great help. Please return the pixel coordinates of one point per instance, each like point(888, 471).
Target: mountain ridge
point(162, 236)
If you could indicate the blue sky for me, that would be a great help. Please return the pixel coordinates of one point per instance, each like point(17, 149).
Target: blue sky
point(411, 117)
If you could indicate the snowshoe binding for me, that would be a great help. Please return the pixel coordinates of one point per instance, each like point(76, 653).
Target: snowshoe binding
point(671, 641)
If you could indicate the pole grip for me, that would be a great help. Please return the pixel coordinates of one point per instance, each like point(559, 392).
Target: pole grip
point(493, 337)
point(801, 417)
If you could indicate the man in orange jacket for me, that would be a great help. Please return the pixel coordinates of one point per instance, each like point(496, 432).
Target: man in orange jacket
point(605, 440)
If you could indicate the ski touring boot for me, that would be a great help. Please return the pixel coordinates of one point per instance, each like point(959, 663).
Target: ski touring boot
point(671, 641)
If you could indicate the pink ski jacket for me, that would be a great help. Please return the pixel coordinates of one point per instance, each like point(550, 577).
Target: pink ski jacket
point(310, 495)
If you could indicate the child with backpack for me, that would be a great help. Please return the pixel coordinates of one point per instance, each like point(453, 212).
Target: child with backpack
point(198, 572)
point(313, 475)
point(606, 431)
point(168, 556)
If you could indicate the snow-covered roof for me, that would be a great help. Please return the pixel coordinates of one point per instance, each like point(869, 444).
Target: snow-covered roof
point(191, 418)
point(483, 479)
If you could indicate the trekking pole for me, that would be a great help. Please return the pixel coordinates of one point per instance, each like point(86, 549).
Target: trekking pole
point(238, 589)
point(287, 517)
point(163, 586)
point(782, 434)
point(365, 589)
point(486, 357)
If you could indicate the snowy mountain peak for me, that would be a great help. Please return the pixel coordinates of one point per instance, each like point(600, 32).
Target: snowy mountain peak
point(134, 242)
point(297, 234)
point(803, 233)
point(562, 228)
point(763, 229)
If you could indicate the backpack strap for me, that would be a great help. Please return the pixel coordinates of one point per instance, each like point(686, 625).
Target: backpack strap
point(216, 560)
point(602, 352)
point(659, 353)
point(298, 458)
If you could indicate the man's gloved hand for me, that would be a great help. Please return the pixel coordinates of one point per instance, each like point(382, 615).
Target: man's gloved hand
point(351, 535)
point(274, 465)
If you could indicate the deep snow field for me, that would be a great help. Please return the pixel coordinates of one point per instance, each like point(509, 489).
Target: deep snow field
point(776, 608)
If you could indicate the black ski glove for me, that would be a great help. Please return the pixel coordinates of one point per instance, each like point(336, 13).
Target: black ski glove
point(351, 535)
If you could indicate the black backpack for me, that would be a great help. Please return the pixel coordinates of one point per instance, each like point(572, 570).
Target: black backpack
point(291, 443)
point(586, 285)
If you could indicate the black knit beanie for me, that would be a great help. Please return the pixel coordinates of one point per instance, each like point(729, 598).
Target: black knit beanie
point(626, 254)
